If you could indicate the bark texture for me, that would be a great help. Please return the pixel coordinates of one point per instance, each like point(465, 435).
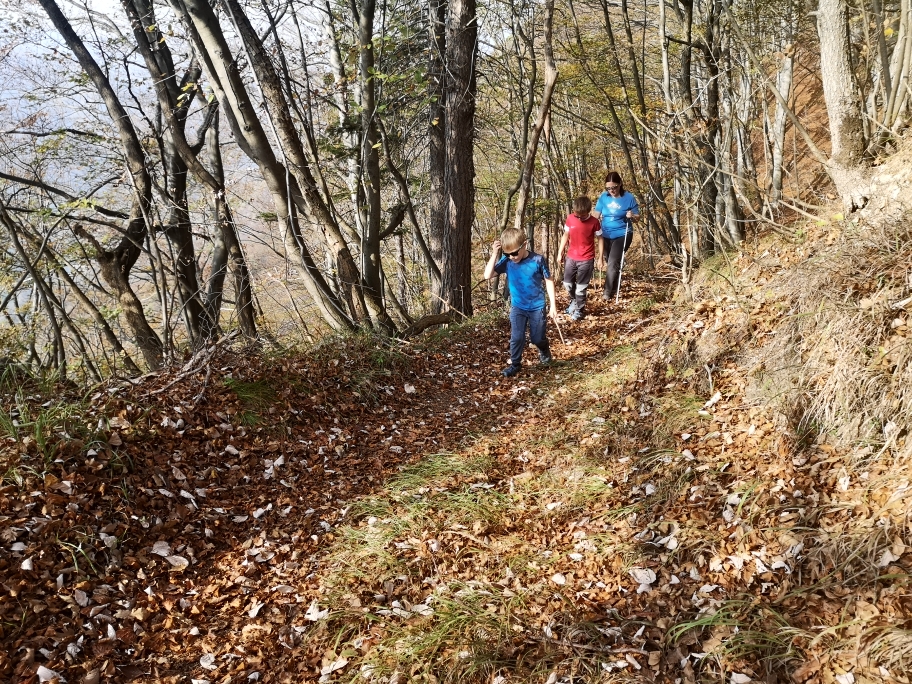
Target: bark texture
point(116, 264)
point(848, 143)
point(459, 183)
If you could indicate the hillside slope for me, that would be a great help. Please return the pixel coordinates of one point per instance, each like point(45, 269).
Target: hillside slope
point(710, 484)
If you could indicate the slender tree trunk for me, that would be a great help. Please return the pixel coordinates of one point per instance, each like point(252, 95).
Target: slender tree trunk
point(899, 73)
point(221, 67)
point(64, 273)
point(544, 111)
point(402, 182)
point(437, 159)
point(848, 143)
point(370, 177)
point(41, 288)
point(227, 251)
point(116, 264)
point(459, 182)
point(777, 129)
point(707, 140)
point(174, 98)
point(179, 232)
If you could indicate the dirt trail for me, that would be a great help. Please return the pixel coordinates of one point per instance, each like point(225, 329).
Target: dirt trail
point(204, 491)
point(397, 514)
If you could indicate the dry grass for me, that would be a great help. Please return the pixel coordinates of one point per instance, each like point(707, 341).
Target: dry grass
point(786, 501)
point(843, 352)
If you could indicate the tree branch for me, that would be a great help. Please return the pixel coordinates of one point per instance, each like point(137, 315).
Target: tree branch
point(63, 193)
point(58, 131)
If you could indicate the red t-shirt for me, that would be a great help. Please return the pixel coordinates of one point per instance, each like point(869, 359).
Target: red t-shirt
point(582, 237)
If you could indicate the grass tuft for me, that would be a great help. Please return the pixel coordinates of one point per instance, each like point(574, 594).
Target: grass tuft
point(257, 395)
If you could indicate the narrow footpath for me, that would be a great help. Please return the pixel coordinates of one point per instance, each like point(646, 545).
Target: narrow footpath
point(403, 513)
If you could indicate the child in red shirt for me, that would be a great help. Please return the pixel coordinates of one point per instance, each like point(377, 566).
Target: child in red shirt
point(580, 231)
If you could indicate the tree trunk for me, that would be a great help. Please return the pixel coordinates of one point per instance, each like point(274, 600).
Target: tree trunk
point(227, 251)
point(175, 101)
point(459, 182)
point(304, 189)
point(544, 111)
point(116, 264)
point(221, 67)
point(370, 175)
point(777, 129)
point(64, 273)
point(437, 159)
point(848, 143)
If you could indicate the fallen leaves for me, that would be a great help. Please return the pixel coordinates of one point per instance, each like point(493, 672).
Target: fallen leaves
point(211, 556)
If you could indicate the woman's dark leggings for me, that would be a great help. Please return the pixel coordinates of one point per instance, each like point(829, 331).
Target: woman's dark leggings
point(614, 249)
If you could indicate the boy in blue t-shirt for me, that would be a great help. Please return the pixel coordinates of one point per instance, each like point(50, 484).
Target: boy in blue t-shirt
point(528, 278)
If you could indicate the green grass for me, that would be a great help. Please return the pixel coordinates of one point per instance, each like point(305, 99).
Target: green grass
point(468, 638)
point(21, 378)
point(258, 395)
point(678, 412)
point(363, 360)
point(580, 489)
point(364, 552)
point(39, 431)
point(249, 419)
point(435, 468)
point(468, 506)
point(744, 632)
point(408, 505)
point(644, 305)
point(618, 367)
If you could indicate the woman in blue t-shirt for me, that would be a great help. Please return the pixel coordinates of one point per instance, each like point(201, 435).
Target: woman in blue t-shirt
point(618, 210)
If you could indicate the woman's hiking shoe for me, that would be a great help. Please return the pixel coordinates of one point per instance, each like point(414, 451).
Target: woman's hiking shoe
point(544, 358)
point(510, 371)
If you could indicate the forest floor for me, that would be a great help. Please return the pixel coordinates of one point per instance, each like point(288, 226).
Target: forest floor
point(366, 511)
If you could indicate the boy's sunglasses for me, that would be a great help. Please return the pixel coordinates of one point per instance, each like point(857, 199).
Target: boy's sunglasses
point(512, 254)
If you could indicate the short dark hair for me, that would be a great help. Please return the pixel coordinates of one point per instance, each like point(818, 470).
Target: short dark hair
point(582, 204)
point(615, 177)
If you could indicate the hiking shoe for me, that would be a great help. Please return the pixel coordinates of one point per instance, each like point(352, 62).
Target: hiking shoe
point(570, 309)
point(544, 358)
point(577, 315)
point(510, 371)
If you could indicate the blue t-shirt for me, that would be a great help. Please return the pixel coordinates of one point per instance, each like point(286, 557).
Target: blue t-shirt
point(526, 279)
point(614, 214)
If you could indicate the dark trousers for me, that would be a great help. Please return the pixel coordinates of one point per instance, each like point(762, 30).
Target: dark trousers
point(614, 249)
point(577, 275)
point(537, 323)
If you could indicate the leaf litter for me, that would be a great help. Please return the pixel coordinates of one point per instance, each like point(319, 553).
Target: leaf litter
point(315, 521)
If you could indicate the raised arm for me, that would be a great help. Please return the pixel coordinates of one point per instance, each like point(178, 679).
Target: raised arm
point(489, 268)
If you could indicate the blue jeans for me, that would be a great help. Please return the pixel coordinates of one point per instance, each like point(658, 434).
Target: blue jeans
point(537, 321)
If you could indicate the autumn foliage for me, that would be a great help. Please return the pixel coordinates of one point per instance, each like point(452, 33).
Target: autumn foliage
point(662, 502)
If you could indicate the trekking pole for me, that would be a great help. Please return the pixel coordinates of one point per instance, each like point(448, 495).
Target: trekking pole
point(617, 297)
point(563, 341)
